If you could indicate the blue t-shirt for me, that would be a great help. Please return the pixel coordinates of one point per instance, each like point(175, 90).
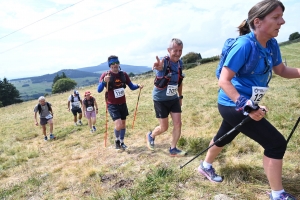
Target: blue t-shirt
point(160, 94)
point(236, 59)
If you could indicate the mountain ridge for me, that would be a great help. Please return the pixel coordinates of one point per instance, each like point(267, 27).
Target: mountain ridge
point(92, 71)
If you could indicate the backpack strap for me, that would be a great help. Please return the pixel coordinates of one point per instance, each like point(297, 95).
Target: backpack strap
point(49, 107)
point(40, 107)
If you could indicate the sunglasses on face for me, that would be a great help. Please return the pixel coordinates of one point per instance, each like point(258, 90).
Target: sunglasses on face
point(114, 63)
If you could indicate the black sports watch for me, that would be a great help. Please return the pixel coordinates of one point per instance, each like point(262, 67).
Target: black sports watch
point(180, 97)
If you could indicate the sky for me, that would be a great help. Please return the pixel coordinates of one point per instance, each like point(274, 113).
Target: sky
point(43, 37)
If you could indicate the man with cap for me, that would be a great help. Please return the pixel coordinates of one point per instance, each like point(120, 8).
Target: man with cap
point(76, 103)
point(116, 80)
point(90, 109)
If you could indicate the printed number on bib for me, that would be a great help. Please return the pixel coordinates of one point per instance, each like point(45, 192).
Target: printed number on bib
point(49, 116)
point(119, 92)
point(258, 93)
point(172, 90)
point(89, 108)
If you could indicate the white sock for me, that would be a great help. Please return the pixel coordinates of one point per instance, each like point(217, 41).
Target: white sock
point(276, 194)
point(206, 165)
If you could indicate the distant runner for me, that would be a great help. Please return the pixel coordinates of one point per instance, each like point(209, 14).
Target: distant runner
point(46, 116)
point(75, 103)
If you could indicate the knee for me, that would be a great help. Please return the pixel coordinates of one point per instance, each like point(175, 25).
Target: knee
point(177, 125)
point(277, 150)
point(164, 128)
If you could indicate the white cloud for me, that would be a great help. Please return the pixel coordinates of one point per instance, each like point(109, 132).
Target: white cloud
point(136, 31)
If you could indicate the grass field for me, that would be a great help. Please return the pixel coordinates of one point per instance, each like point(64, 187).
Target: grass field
point(78, 166)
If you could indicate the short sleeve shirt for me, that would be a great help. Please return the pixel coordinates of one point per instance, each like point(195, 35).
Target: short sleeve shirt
point(44, 110)
point(160, 94)
point(236, 59)
point(76, 103)
point(118, 84)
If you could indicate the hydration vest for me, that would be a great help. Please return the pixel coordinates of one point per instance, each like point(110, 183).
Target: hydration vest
point(40, 107)
point(162, 82)
point(92, 100)
point(72, 98)
point(116, 83)
point(253, 58)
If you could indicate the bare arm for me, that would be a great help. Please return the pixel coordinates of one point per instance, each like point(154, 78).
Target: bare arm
point(226, 85)
point(69, 105)
point(180, 93)
point(36, 122)
point(286, 72)
point(96, 105)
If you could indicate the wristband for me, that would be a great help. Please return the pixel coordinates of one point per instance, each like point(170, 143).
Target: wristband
point(180, 97)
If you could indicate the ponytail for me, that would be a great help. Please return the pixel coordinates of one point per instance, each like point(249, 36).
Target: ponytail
point(244, 28)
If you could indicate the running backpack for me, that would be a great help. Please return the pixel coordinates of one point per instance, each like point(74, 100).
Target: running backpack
point(162, 82)
point(72, 98)
point(114, 84)
point(40, 107)
point(253, 58)
point(85, 101)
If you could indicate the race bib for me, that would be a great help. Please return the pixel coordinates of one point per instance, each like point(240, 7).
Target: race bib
point(258, 93)
point(76, 104)
point(49, 116)
point(119, 92)
point(172, 90)
point(89, 108)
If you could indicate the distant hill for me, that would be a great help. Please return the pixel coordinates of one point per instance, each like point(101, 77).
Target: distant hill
point(103, 67)
point(70, 73)
point(33, 87)
point(93, 71)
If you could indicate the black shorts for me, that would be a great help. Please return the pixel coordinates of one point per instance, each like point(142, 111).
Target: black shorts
point(263, 132)
point(76, 110)
point(163, 108)
point(118, 111)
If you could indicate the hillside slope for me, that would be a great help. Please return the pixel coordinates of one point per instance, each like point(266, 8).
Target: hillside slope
point(78, 166)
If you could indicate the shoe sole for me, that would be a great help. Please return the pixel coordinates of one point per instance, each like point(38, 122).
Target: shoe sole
point(208, 177)
point(148, 143)
point(177, 155)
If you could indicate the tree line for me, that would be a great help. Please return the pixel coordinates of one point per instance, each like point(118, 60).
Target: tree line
point(8, 93)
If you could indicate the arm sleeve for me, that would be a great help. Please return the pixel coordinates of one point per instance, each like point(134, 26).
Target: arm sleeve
point(133, 86)
point(101, 86)
point(101, 83)
point(129, 83)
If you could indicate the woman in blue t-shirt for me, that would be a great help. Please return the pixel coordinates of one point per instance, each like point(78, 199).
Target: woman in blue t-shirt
point(240, 93)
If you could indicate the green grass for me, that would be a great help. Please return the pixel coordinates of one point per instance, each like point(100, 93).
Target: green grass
point(78, 166)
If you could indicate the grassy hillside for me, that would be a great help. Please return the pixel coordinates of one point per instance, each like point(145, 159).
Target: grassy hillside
point(78, 166)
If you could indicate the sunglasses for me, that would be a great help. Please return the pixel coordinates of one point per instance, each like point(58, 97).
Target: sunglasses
point(114, 63)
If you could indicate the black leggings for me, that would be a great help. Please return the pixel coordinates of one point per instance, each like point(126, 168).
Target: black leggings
point(262, 132)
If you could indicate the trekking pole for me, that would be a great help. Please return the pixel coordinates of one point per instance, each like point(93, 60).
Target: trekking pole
point(287, 141)
point(136, 107)
point(106, 115)
point(218, 140)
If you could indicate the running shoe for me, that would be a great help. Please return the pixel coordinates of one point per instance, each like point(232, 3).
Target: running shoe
point(209, 173)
